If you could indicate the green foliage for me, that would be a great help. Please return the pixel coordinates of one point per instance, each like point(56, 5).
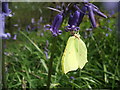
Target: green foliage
point(27, 65)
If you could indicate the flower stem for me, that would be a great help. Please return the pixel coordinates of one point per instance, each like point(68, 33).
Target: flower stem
point(50, 72)
point(53, 49)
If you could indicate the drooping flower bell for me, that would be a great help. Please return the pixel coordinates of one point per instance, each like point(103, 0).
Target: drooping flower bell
point(91, 10)
point(56, 24)
point(73, 20)
point(84, 9)
point(91, 15)
point(5, 12)
point(5, 9)
point(97, 11)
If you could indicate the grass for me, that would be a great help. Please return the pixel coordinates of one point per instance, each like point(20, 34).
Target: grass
point(27, 65)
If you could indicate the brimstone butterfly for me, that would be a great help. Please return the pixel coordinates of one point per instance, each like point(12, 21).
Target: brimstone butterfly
point(75, 54)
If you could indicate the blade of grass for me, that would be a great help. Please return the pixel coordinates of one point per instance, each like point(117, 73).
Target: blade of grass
point(32, 42)
point(42, 60)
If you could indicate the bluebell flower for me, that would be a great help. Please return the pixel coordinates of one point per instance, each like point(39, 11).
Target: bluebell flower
point(82, 13)
point(72, 28)
point(84, 9)
point(72, 78)
point(91, 15)
point(72, 23)
point(91, 8)
point(5, 12)
point(41, 34)
point(97, 11)
point(74, 18)
point(70, 19)
point(28, 28)
point(32, 20)
point(5, 9)
point(106, 34)
point(46, 54)
point(5, 35)
point(15, 37)
point(40, 20)
point(109, 29)
point(55, 25)
point(93, 5)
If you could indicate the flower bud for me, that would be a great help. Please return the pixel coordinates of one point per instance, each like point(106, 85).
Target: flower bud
point(97, 11)
point(91, 15)
point(5, 8)
point(74, 18)
point(84, 9)
point(56, 24)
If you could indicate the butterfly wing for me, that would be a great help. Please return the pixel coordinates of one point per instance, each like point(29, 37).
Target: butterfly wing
point(69, 59)
point(75, 54)
point(81, 52)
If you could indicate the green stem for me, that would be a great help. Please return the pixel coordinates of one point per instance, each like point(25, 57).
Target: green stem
point(53, 49)
point(50, 72)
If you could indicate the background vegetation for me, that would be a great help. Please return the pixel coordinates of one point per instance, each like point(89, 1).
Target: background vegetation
point(27, 56)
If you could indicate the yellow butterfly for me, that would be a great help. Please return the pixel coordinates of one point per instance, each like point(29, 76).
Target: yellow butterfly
point(75, 54)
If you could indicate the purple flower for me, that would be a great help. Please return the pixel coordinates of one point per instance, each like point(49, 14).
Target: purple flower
point(106, 34)
point(72, 23)
point(5, 9)
point(15, 37)
point(46, 54)
point(70, 19)
point(73, 28)
point(41, 34)
point(84, 9)
point(28, 28)
point(91, 15)
point(32, 20)
point(82, 13)
point(56, 24)
point(97, 11)
point(40, 20)
point(91, 8)
point(109, 29)
point(5, 35)
point(74, 18)
point(72, 78)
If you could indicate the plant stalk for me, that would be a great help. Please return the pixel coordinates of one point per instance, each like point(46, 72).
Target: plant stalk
point(53, 49)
